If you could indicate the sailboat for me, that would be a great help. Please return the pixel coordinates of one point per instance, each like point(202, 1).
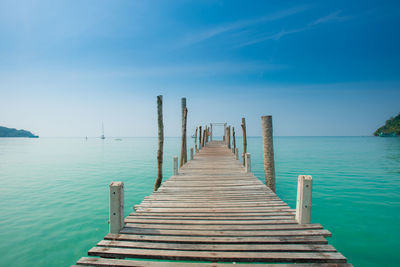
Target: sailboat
point(102, 136)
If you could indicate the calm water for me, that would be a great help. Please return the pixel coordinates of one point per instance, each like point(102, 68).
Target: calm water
point(54, 192)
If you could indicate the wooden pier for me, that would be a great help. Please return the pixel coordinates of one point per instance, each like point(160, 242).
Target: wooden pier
point(214, 213)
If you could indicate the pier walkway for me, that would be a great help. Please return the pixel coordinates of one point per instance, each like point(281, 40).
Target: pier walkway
point(214, 213)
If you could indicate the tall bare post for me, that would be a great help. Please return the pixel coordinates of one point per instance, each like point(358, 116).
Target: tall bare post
point(244, 140)
point(191, 153)
point(160, 143)
point(211, 132)
point(236, 153)
point(199, 137)
point(304, 199)
point(228, 134)
point(116, 207)
point(248, 163)
point(183, 142)
point(268, 149)
point(224, 137)
point(183, 145)
point(195, 140)
point(233, 139)
point(175, 165)
point(204, 138)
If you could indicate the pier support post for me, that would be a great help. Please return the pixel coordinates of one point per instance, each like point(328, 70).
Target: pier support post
point(303, 205)
point(236, 153)
point(248, 163)
point(228, 136)
point(191, 153)
point(200, 137)
point(268, 149)
point(160, 150)
point(244, 139)
point(116, 207)
point(183, 144)
point(195, 141)
point(175, 165)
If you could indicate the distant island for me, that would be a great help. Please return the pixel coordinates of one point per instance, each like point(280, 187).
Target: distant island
point(391, 127)
point(11, 132)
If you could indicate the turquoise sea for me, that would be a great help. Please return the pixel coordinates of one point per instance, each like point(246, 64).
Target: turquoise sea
point(54, 191)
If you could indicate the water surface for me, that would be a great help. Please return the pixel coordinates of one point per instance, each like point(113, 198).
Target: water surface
point(54, 193)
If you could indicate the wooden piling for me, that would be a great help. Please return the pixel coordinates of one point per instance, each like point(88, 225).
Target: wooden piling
point(233, 138)
point(244, 139)
point(304, 199)
point(228, 135)
point(211, 132)
point(195, 141)
point(175, 165)
point(116, 207)
point(204, 138)
point(160, 150)
point(248, 163)
point(236, 153)
point(268, 149)
point(200, 137)
point(191, 153)
point(183, 143)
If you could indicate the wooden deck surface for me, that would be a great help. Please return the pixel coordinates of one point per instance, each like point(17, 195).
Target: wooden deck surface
point(214, 212)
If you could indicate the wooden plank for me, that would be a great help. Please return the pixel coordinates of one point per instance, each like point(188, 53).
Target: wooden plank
point(210, 233)
point(219, 256)
point(224, 227)
point(220, 247)
point(221, 239)
point(87, 261)
point(207, 222)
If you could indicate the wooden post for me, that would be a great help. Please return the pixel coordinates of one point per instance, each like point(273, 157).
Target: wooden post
point(248, 163)
point(224, 137)
point(233, 138)
point(191, 153)
point(204, 138)
point(303, 205)
point(236, 153)
point(116, 207)
point(211, 132)
point(268, 149)
point(183, 144)
point(195, 141)
point(200, 137)
point(228, 135)
point(175, 165)
point(160, 143)
point(244, 139)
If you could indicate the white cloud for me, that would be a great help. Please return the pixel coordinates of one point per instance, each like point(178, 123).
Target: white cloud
point(277, 36)
point(218, 30)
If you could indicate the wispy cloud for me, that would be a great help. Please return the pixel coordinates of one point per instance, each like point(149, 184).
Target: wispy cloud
point(276, 36)
point(218, 30)
point(329, 18)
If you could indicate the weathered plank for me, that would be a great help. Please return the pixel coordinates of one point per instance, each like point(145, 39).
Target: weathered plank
point(87, 261)
point(218, 255)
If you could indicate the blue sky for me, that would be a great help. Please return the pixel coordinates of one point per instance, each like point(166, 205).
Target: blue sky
point(319, 67)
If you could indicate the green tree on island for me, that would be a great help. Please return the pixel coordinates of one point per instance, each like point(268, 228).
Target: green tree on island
point(391, 127)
